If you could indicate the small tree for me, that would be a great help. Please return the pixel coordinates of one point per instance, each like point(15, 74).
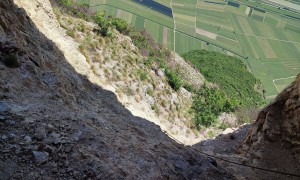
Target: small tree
point(120, 25)
point(102, 21)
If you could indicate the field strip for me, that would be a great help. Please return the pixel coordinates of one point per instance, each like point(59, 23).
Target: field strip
point(235, 35)
point(215, 24)
point(211, 9)
point(269, 38)
point(185, 24)
point(283, 58)
point(270, 14)
point(228, 38)
point(206, 33)
point(284, 78)
point(174, 27)
point(281, 79)
point(196, 14)
point(286, 4)
point(205, 6)
point(175, 4)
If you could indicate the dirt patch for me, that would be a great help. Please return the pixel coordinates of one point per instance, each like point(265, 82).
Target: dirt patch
point(165, 36)
point(206, 33)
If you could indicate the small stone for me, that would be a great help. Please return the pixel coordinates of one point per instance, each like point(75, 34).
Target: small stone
point(17, 150)
point(67, 163)
point(28, 121)
point(40, 157)
point(2, 67)
point(68, 149)
point(27, 139)
point(160, 73)
point(4, 108)
point(244, 161)
point(48, 149)
point(174, 98)
point(90, 173)
point(3, 137)
point(50, 128)
point(76, 136)
point(40, 133)
point(11, 122)
point(12, 136)
point(55, 137)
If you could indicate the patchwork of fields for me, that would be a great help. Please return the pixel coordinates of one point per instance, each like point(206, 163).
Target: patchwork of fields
point(266, 38)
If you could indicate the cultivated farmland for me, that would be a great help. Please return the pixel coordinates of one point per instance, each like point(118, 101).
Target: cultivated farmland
point(265, 37)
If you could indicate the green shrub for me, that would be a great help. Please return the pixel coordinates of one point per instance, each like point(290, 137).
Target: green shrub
point(173, 79)
point(223, 126)
point(190, 87)
point(211, 134)
point(103, 23)
point(231, 75)
point(11, 61)
point(77, 13)
point(142, 74)
point(150, 91)
point(66, 2)
point(120, 25)
point(71, 33)
point(208, 104)
point(129, 92)
point(139, 40)
point(155, 108)
point(81, 27)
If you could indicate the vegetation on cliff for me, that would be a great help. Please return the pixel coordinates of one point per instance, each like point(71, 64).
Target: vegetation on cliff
point(235, 85)
point(230, 74)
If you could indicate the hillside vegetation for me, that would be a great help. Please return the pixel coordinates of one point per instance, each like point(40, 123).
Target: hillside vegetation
point(230, 74)
point(207, 102)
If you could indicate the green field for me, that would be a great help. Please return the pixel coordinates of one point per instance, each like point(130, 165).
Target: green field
point(266, 38)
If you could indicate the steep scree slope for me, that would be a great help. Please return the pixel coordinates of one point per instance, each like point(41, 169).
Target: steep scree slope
point(55, 123)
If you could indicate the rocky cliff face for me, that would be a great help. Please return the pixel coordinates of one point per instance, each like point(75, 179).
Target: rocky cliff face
point(115, 64)
point(274, 139)
point(55, 123)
